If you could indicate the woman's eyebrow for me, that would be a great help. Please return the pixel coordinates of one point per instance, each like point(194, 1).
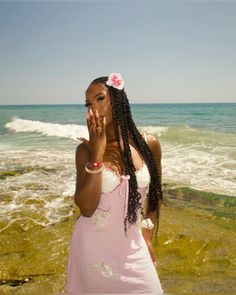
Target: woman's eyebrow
point(98, 94)
point(87, 101)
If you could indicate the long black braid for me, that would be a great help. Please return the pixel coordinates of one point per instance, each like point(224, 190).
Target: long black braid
point(122, 118)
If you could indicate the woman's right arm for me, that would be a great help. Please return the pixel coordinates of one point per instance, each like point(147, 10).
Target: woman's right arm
point(88, 186)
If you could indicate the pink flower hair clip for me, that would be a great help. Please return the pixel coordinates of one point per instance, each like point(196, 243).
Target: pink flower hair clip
point(115, 80)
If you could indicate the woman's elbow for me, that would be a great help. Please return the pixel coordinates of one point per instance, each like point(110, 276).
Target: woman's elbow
point(84, 210)
point(86, 213)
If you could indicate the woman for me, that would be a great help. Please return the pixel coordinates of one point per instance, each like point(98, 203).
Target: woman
point(110, 251)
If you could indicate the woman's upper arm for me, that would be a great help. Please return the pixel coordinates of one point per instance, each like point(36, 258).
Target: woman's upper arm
point(81, 159)
point(155, 147)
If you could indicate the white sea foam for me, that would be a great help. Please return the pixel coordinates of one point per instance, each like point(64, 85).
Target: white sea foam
point(190, 157)
point(42, 190)
point(199, 158)
point(154, 130)
point(49, 129)
point(199, 168)
point(67, 130)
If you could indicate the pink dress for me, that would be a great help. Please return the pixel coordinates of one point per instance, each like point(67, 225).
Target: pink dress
point(102, 259)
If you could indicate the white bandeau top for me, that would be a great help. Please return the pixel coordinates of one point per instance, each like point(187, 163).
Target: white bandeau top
point(110, 179)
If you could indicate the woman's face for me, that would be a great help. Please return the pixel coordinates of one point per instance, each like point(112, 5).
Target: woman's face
point(98, 98)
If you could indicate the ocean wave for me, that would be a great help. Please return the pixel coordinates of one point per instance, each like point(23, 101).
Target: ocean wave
point(49, 129)
point(72, 131)
point(198, 158)
point(157, 131)
point(209, 169)
point(183, 134)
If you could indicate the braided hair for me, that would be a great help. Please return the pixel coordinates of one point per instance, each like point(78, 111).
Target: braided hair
point(122, 118)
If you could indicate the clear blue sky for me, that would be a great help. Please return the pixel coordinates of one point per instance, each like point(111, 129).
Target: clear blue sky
point(167, 51)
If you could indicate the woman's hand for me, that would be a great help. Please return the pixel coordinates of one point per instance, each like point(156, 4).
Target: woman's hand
point(97, 135)
point(147, 237)
point(151, 251)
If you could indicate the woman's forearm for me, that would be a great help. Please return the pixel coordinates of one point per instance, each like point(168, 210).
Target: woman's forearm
point(87, 194)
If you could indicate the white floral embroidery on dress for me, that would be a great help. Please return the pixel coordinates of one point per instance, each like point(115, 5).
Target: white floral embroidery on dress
point(106, 270)
point(99, 218)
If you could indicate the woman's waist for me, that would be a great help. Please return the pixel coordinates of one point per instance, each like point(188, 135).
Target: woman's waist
point(102, 223)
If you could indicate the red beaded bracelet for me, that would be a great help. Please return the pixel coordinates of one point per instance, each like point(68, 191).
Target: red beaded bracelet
point(94, 164)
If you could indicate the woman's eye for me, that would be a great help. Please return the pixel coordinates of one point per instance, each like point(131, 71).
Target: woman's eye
point(86, 105)
point(100, 98)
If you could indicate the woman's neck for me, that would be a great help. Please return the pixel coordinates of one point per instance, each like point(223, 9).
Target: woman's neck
point(110, 134)
point(111, 139)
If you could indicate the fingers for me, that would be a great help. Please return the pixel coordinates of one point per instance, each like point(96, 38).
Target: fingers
point(92, 120)
point(103, 125)
point(97, 119)
point(98, 128)
point(88, 122)
point(95, 122)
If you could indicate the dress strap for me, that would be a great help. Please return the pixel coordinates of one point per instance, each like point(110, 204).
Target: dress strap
point(145, 136)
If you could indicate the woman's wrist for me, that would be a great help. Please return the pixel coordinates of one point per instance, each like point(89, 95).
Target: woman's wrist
point(92, 165)
point(93, 171)
point(95, 158)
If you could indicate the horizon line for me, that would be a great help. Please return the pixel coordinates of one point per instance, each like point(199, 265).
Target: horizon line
point(134, 103)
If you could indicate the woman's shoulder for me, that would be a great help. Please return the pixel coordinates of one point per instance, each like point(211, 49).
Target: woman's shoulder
point(82, 153)
point(154, 145)
point(151, 140)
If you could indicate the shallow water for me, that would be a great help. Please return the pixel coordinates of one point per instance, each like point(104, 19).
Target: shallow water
point(195, 247)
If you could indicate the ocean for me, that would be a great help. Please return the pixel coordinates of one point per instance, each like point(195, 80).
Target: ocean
point(37, 182)
point(38, 143)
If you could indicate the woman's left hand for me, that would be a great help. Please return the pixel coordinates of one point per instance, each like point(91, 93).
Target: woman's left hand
point(151, 251)
point(147, 238)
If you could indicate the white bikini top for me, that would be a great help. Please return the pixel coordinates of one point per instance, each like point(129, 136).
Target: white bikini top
point(111, 179)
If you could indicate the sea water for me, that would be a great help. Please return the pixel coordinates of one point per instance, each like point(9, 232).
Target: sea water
point(37, 182)
point(38, 143)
